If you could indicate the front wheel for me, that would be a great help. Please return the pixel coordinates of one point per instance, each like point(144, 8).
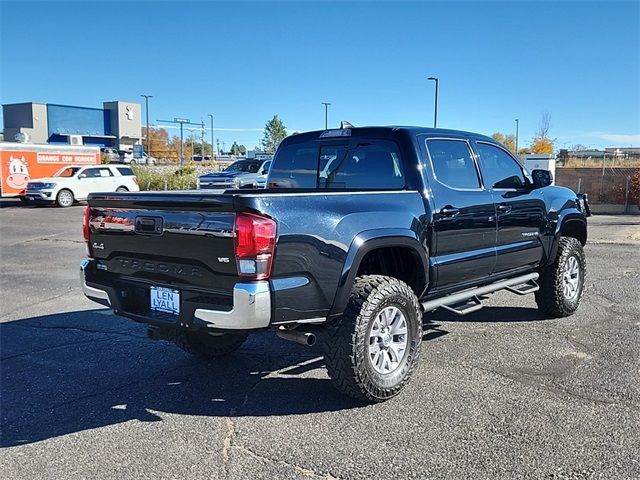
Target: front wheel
point(371, 351)
point(204, 344)
point(562, 282)
point(65, 198)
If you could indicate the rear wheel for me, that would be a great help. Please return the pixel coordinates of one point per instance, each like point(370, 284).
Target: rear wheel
point(65, 198)
point(205, 344)
point(122, 189)
point(562, 282)
point(371, 351)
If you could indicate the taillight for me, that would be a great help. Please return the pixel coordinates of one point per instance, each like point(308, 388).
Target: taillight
point(255, 245)
point(135, 180)
point(85, 227)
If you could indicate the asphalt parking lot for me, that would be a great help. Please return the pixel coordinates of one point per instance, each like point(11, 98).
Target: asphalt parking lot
point(502, 393)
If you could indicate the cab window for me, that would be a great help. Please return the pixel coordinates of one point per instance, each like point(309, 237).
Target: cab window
point(453, 164)
point(371, 164)
point(500, 170)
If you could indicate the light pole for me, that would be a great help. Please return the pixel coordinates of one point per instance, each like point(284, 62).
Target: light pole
point(326, 109)
point(146, 107)
point(202, 132)
point(517, 125)
point(211, 117)
point(435, 107)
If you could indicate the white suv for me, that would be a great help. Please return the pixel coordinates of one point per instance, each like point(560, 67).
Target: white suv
point(76, 182)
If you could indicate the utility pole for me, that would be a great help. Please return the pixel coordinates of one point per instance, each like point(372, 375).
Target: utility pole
point(435, 107)
point(326, 116)
point(217, 145)
point(211, 117)
point(146, 107)
point(517, 125)
point(182, 122)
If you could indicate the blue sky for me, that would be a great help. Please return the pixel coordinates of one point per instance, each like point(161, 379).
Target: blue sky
point(245, 62)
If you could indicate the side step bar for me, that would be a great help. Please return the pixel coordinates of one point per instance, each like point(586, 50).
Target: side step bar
point(527, 282)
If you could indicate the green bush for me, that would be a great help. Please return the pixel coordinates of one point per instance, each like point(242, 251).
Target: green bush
point(183, 178)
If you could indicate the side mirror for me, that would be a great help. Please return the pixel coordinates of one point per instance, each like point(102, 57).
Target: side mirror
point(264, 172)
point(82, 175)
point(541, 178)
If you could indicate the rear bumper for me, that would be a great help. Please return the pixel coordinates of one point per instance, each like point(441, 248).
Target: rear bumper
point(251, 306)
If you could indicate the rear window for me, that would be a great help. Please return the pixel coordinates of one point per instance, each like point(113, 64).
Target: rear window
point(295, 166)
point(125, 171)
point(369, 164)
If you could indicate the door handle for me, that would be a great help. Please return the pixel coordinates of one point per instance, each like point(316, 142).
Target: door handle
point(503, 208)
point(449, 211)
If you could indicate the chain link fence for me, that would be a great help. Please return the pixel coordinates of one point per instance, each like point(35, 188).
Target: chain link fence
point(605, 186)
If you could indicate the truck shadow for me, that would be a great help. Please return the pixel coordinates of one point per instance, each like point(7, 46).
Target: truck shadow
point(75, 371)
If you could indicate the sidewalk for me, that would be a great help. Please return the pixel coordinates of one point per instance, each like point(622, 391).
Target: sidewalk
point(621, 229)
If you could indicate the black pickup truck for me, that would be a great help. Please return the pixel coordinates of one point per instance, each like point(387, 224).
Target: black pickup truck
point(359, 232)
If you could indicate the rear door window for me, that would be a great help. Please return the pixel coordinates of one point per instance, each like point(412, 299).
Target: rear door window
point(97, 172)
point(453, 164)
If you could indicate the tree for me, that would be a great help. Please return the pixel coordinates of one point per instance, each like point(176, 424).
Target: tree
point(274, 133)
point(238, 149)
point(541, 143)
point(498, 137)
point(508, 141)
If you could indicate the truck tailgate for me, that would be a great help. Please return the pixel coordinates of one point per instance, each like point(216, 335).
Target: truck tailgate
point(180, 240)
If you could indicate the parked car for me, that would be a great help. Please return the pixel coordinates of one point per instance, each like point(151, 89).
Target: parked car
point(404, 221)
point(111, 154)
point(240, 174)
point(126, 156)
point(76, 182)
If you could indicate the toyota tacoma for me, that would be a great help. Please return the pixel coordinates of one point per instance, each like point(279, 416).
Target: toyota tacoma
point(359, 233)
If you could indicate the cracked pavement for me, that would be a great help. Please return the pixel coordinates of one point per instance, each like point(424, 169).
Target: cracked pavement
point(500, 393)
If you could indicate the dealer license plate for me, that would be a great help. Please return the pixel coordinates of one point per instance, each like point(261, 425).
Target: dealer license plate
point(165, 300)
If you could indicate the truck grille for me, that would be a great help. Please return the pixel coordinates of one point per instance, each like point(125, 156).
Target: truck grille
point(218, 184)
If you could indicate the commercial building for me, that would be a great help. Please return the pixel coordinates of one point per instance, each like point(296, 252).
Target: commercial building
point(116, 124)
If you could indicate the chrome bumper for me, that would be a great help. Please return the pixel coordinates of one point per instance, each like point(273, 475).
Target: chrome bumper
point(91, 293)
point(251, 309)
point(251, 305)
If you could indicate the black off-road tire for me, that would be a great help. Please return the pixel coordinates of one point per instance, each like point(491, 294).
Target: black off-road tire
point(346, 342)
point(551, 298)
point(203, 344)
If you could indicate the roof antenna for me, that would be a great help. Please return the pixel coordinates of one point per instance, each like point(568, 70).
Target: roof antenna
point(344, 124)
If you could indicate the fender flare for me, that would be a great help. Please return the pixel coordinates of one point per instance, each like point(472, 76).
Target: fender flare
point(366, 242)
point(564, 219)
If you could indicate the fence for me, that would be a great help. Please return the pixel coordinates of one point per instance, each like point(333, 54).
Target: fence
point(611, 186)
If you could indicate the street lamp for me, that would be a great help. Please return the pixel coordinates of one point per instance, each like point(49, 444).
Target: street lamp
point(146, 107)
point(435, 109)
point(211, 117)
point(517, 125)
point(326, 108)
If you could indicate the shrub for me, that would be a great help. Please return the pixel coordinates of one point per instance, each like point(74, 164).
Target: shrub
point(634, 194)
point(153, 179)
